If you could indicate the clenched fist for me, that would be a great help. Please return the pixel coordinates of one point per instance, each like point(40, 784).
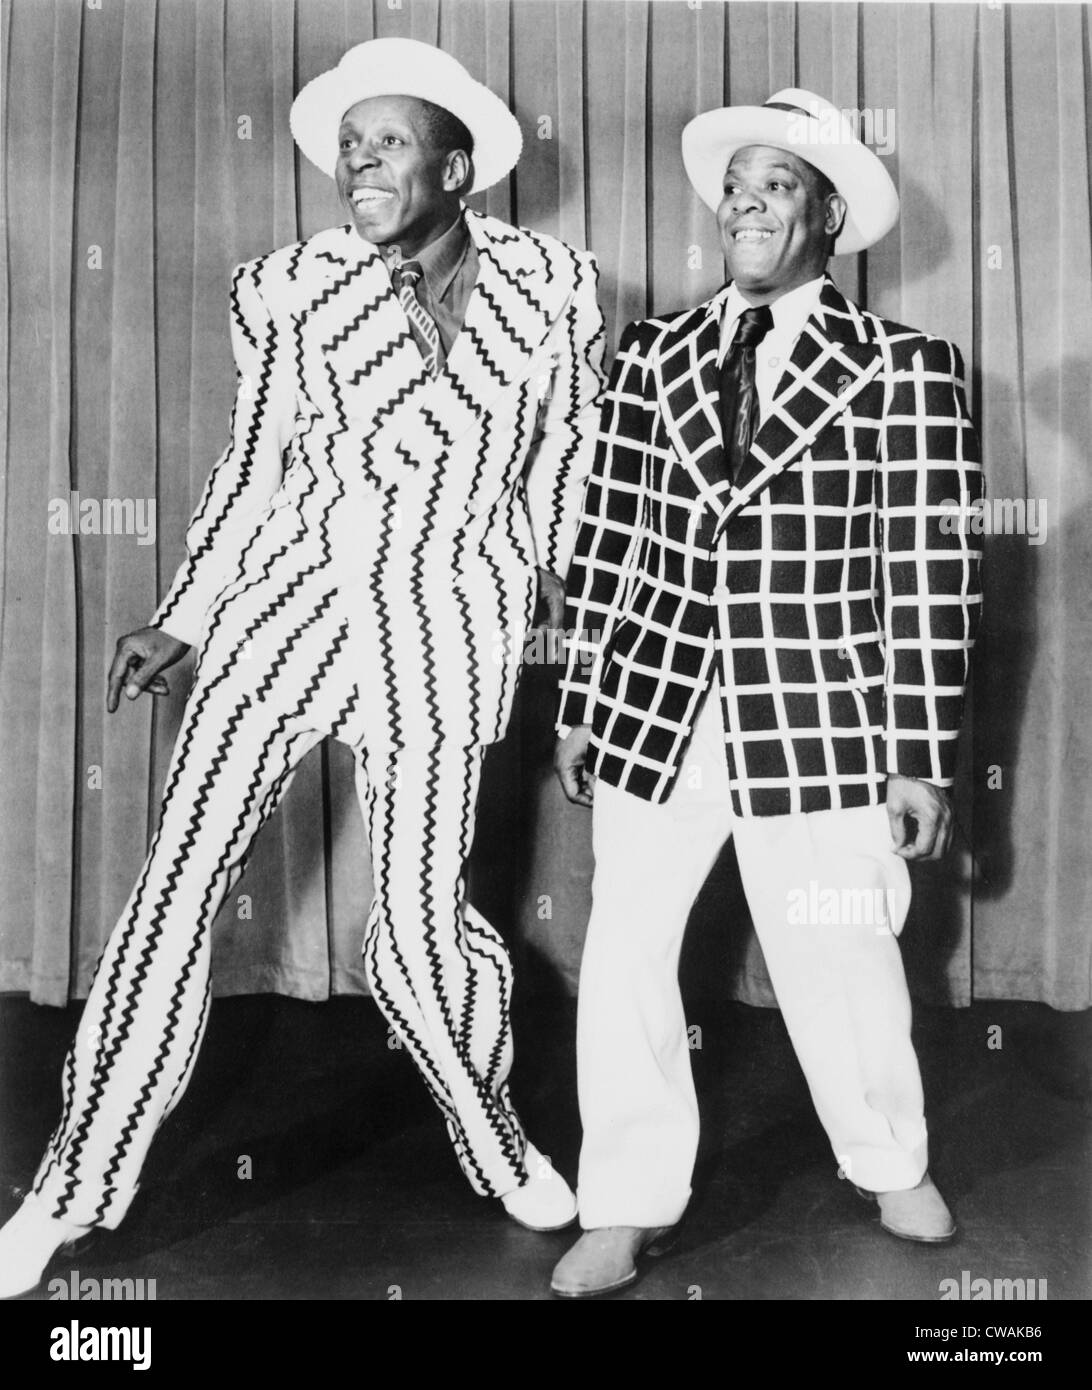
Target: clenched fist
point(570, 757)
point(920, 816)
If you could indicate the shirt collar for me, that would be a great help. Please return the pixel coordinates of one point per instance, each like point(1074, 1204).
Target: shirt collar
point(790, 311)
point(440, 259)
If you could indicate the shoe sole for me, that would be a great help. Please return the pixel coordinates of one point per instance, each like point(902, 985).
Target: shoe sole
point(596, 1293)
point(920, 1240)
point(542, 1230)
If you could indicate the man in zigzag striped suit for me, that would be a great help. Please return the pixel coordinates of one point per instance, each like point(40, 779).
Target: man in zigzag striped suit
point(409, 443)
point(773, 617)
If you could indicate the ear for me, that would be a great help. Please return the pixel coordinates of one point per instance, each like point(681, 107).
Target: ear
point(457, 171)
point(836, 214)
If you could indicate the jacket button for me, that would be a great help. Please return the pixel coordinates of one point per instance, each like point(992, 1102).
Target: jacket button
point(722, 592)
point(843, 652)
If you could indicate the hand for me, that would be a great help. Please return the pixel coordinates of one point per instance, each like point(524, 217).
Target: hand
point(570, 755)
point(551, 592)
point(920, 816)
point(138, 660)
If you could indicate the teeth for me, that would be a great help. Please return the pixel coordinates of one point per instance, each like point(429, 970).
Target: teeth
point(370, 195)
point(751, 234)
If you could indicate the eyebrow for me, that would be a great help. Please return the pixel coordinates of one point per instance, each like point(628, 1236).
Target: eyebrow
point(389, 125)
point(787, 168)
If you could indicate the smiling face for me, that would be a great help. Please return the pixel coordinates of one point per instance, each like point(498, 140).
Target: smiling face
point(776, 219)
point(399, 187)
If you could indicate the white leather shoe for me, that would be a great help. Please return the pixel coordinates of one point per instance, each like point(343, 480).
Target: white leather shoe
point(607, 1258)
point(28, 1241)
point(545, 1202)
point(916, 1213)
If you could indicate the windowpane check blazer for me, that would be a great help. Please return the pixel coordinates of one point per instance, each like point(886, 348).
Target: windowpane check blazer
point(827, 592)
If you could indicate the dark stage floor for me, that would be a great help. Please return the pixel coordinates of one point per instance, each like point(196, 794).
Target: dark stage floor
point(354, 1193)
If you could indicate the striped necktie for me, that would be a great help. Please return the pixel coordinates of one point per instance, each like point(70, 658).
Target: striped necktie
point(404, 278)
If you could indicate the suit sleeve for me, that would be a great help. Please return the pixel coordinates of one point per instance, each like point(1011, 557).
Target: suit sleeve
point(560, 458)
point(248, 472)
point(931, 481)
point(608, 533)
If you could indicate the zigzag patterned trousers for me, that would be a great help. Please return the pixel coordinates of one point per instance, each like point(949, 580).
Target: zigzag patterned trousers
point(438, 971)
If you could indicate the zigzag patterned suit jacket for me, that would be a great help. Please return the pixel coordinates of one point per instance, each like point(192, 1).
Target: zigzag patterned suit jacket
point(427, 503)
point(822, 588)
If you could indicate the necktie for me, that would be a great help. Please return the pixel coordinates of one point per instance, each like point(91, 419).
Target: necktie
point(404, 278)
point(738, 396)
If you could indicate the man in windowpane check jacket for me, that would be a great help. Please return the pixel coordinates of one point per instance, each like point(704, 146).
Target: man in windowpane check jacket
point(770, 634)
point(413, 428)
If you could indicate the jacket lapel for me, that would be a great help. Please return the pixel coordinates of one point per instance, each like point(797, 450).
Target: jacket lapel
point(688, 382)
point(369, 361)
point(516, 299)
point(833, 359)
point(374, 377)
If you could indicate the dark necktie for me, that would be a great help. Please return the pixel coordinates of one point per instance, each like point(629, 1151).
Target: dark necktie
point(738, 395)
point(404, 278)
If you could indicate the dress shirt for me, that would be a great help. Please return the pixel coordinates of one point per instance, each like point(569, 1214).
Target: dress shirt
point(790, 312)
point(449, 268)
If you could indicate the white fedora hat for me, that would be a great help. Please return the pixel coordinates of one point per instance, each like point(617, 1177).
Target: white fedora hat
point(404, 67)
point(814, 130)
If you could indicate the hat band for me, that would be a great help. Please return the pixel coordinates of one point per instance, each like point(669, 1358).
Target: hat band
point(785, 106)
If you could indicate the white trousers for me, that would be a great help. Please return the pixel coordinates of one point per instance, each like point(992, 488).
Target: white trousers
point(828, 897)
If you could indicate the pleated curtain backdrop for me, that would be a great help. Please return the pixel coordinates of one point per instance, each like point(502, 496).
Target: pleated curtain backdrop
point(148, 152)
